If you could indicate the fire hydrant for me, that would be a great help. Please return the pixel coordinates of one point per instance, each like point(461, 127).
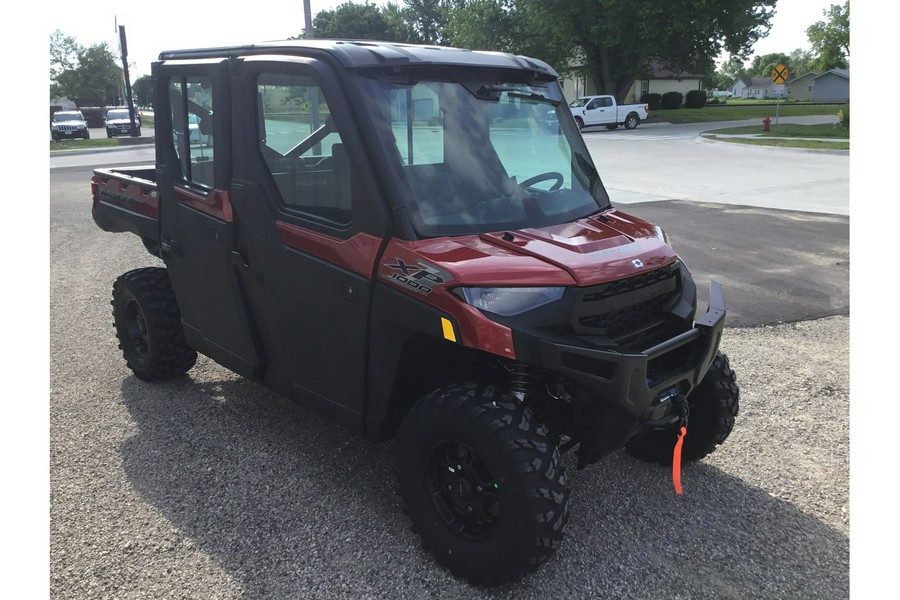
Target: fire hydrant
point(766, 122)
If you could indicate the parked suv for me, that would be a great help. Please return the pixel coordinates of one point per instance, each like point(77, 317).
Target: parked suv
point(68, 124)
point(118, 123)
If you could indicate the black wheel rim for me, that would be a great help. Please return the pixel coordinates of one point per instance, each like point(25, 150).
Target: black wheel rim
point(463, 490)
point(136, 327)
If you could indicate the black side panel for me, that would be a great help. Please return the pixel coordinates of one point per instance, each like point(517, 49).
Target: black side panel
point(197, 234)
point(409, 357)
point(312, 329)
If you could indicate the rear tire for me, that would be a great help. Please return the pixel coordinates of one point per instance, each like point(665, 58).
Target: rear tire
point(482, 482)
point(713, 408)
point(148, 325)
point(631, 121)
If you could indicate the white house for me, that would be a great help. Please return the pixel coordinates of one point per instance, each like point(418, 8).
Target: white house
point(753, 87)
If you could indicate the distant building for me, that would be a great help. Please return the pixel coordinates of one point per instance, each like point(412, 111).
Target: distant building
point(832, 86)
point(753, 87)
point(659, 81)
point(63, 103)
point(801, 88)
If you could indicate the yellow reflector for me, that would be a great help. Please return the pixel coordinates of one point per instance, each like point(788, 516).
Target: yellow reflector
point(448, 329)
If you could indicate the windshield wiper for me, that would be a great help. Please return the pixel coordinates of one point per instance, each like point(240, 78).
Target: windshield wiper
point(512, 92)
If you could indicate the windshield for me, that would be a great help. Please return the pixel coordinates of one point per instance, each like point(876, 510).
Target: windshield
point(117, 114)
point(67, 116)
point(579, 102)
point(483, 154)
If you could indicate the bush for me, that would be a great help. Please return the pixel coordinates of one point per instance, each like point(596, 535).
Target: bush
point(672, 100)
point(844, 116)
point(652, 100)
point(695, 99)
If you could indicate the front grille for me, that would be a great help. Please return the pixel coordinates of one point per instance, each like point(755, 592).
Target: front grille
point(620, 308)
point(67, 127)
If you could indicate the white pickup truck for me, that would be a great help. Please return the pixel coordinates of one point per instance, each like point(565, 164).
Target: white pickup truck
point(603, 110)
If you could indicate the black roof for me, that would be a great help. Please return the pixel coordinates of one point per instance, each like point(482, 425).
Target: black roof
point(366, 53)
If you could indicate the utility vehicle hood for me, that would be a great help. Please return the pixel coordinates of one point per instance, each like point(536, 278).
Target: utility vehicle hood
point(597, 249)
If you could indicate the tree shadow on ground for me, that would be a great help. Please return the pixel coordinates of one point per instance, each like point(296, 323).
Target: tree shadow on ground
point(291, 505)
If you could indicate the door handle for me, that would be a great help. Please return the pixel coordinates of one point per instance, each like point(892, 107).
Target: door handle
point(167, 246)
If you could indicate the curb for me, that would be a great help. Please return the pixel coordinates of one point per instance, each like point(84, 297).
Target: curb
point(705, 138)
point(128, 146)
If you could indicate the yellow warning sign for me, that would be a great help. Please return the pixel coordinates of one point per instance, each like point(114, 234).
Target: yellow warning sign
point(779, 74)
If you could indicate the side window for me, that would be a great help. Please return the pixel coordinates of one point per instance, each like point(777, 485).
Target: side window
point(302, 147)
point(593, 104)
point(190, 100)
point(605, 101)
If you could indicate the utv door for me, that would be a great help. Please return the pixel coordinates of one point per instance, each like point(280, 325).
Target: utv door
point(197, 223)
point(310, 225)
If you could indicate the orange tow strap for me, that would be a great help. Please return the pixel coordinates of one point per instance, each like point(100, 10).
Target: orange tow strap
point(676, 461)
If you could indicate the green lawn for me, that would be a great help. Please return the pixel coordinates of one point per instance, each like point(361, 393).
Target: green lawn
point(83, 144)
point(95, 143)
point(810, 144)
point(713, 113)
point(826, 130)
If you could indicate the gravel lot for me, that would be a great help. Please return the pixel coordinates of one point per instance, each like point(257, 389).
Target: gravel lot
point(210, 486)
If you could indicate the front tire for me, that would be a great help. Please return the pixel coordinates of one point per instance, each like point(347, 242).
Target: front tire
point(87, 134)
point(482, 482)
point(580, 122)
point(148, 325)
point(713, 408)
point(612, 126)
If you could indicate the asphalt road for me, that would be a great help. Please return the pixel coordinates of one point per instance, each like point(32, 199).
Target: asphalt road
point(210, 486)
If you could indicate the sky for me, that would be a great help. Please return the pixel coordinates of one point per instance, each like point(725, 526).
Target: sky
point(170, 25)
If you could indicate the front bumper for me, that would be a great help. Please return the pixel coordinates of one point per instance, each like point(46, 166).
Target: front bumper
point(626, 393)
point(68, 133)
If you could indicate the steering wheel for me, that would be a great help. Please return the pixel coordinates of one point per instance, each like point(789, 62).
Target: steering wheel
point(544, 177)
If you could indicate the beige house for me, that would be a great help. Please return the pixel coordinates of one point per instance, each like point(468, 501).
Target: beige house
point(803, 87)
point(659, 81)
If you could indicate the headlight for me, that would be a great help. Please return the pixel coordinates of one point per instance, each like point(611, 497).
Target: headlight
point(508, 302)
point(662, 234)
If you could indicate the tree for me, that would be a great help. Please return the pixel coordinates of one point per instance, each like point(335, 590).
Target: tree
point(63, 53)
point(428, 19)
point(142, 89)
point(353, 21)
point(830, 39)
point(618, 40)
point(762, 65)
point(613, 42)
point(728, 72)
point(800, 62)
point(484, 25)
point(79, 72)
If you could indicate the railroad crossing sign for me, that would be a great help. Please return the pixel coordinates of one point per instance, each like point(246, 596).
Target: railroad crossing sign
point(779, 74)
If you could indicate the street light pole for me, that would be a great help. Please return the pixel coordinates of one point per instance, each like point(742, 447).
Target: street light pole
point(307, 18)
point(124, 45)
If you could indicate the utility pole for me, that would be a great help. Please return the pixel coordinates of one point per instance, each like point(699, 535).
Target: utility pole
point(124, 45)
point(313, 92)
point(307, 18)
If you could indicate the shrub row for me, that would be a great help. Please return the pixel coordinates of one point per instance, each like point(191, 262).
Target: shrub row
point(669, 100)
